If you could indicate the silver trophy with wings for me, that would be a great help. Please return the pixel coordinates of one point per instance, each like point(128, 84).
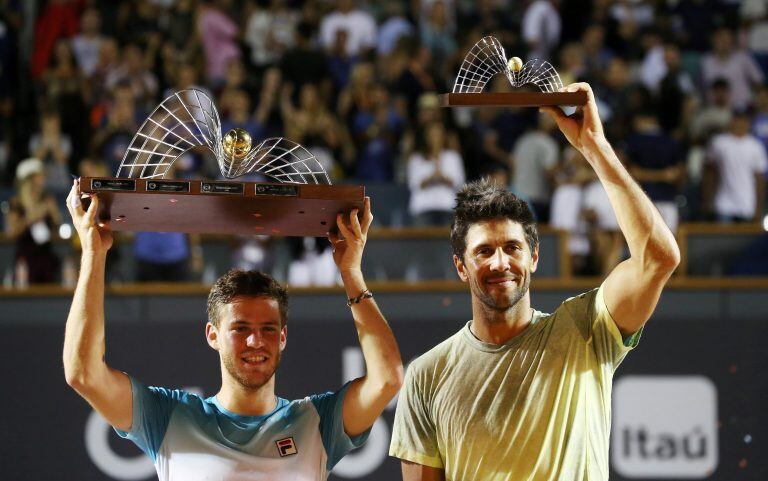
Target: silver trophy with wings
point(487, 59)
point(188, 119)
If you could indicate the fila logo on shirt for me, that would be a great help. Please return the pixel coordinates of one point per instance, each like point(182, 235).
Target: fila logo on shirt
point(286, 447)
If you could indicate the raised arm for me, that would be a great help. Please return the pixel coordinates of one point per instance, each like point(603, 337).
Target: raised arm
point(106, 389)
point(633, 288)
point(367, 396)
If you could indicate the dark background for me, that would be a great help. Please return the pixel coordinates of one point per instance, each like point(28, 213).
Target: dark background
point(160, 340)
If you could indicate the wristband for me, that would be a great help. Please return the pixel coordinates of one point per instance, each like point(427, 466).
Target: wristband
point(366, 294)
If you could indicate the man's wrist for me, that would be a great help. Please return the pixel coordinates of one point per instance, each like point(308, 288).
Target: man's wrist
point(353, 280)
point(92, 256)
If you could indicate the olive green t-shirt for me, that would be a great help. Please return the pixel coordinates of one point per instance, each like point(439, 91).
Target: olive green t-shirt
point(536, 408)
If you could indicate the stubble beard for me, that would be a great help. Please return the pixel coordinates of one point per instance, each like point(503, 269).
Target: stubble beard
point(245, 382)
point(506, 304)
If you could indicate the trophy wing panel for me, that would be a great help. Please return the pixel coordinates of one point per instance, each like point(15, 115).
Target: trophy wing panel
point(183, 121)
point(283, 160)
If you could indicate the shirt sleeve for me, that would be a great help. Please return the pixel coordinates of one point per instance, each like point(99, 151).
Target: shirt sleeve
point(335, 440)
point(414, 437)
point(152, 408)
point(591, 313)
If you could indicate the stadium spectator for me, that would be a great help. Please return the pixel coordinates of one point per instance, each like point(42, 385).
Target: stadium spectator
point(438, 35)
point(541, 28)
point(32, 222)
point(676, 94)
point(314, 126)
point(134, 72)
point(435, 173)
point(715, 116)
point(734, 183)
point(304, 63)
point(394, 26)
point(57, 20)
point(66, 89)
point(270, 32)
point(376, 130)
point(570, 176)
point(87, 43)
point(359, 27)
point(735, 65)
point(54, 149)
point(218, 35)
point(532, 164)
point(655, 160)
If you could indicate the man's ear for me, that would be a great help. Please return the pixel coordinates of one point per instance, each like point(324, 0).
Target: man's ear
point(283, 337)
point(212, 335)
point(460, 268)
point(535, 259)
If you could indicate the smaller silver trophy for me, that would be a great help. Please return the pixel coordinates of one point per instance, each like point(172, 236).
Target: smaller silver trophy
point(487, 59)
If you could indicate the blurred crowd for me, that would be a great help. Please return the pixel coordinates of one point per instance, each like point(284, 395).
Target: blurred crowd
point(680, 86)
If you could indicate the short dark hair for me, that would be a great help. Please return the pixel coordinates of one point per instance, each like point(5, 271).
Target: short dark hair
point(238, 282)
point(484, 200)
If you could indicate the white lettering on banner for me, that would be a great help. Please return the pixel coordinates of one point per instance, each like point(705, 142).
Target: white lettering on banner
point(369, 458)
point(664, 427)
point(135, 468)
point(109, 462)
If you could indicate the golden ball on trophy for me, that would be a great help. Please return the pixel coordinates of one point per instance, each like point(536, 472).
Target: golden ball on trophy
point(236, 143)
point(515, 64)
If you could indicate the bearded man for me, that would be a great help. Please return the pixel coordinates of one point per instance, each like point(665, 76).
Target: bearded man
point(244, 432)
point(518, 394)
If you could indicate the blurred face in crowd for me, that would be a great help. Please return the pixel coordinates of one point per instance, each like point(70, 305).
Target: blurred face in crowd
point(186, 76)
point(721, 96)
point(497, 263)
point(722, 42)
point(362, 75)
point(593, 38)
point(132, 58)
point(435, 137)
point(618, 74)
point(572, 58)
point(108, 52)
point(90, 22)
point(437, 14)
point(345, 5)
point(761, 99)
point(235, 73)
point(250, 339)
point(309, 97)
point(50, 124)
point(672, 56)
point(740, 124)
point(63, 53)
point(240, 103)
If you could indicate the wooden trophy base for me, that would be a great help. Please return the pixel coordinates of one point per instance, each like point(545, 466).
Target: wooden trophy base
point(221, 207)
point(514, 99)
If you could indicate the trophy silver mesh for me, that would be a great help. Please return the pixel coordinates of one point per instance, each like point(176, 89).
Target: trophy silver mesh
point(487, 58)
point(281, 159)
point(188, 119)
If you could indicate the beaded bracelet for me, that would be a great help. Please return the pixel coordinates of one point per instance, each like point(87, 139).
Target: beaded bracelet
point(366, 294)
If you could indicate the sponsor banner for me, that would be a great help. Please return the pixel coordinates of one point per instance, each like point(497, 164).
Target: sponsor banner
point(689, 401)
point(665, 427)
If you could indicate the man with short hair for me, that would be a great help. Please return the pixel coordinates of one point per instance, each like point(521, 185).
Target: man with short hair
point(244, 432)
point(518, 394)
